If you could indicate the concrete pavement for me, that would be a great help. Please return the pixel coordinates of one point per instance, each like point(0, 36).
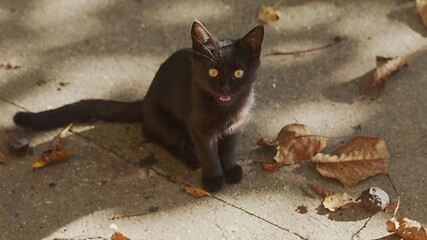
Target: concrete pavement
point(74, 49)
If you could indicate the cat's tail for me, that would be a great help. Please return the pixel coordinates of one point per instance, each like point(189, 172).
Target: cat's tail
point(84, 111)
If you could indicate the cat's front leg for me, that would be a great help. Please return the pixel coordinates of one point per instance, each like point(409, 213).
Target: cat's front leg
point(206, 149)
point(227, 150)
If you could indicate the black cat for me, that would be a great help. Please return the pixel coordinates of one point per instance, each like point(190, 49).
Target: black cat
point(195, 106)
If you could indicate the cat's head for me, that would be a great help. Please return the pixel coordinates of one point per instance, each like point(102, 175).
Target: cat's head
point(225, 68)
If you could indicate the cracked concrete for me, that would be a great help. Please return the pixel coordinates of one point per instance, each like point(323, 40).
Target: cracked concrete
point(71, 50)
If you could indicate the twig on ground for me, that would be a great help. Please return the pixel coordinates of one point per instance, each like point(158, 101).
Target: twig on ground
point(311, 50)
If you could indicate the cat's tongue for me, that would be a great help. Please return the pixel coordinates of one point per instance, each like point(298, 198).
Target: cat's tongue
point(224, 98)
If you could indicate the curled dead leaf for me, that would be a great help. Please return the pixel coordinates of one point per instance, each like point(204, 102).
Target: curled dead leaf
point(117, 234)
point(338, 201)
point(406, 228)
point(295, 143)
point(56, 152)
point(385, 67)
point(50, 155)
point(268, 14)
point(268, 164)
point(196, 192)
point(358, 159)
point(299, 149)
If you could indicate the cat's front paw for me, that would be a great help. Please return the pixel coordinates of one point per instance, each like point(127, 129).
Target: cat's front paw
point(234, 175)
point(213, 184)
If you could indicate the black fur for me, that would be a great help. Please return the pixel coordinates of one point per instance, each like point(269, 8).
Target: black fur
point(195, 116)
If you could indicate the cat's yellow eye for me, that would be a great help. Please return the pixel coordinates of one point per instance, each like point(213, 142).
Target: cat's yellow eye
point(213, 72)
point(238, 73)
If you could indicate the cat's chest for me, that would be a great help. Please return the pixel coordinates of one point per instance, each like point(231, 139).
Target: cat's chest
point(240, 117)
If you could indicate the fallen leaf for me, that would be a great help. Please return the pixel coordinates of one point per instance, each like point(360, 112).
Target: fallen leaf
point(393, 205)
point(2, 158)
point(422, 10)
point(301, 209)
point(117, 234)
point(56, 152)
point(338, 201)
point(268, 14)
point(406, 228)
point(18, 142)
point(358, 159)
point(268, 164)
point(319, 191)
point(295, 143)
point(196, 192)
point(300, 148)
point(385, 67)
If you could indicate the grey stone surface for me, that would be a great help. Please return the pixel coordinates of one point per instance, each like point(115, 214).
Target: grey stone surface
point(70, 50)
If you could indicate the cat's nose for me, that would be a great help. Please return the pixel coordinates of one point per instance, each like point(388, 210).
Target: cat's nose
point(225, 88)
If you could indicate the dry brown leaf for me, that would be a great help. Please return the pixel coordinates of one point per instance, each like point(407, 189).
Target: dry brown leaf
point(319, 191)
point(338, 201)
point(296, 143)
point(268, 14)
point(268, 164)
point(406, 228)
point(117, 234)
point(358, 159)
point(299, 149)
point(3, 158)
point(56, 152)
point(422, 10)
point(196, 192)
point(385, 67)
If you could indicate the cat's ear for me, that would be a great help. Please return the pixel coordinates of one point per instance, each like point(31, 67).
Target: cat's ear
point(203, 42)
point(253, 40)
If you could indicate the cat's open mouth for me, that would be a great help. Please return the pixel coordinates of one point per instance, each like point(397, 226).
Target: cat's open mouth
point(225, 98)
